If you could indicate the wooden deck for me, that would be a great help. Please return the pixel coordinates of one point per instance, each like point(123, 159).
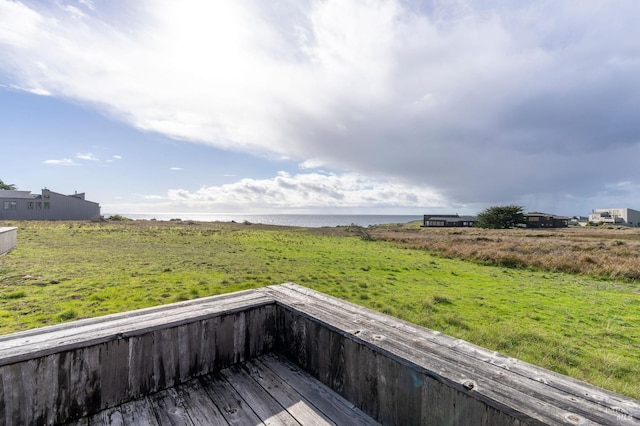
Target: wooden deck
point(221, 360)
point(264, 390)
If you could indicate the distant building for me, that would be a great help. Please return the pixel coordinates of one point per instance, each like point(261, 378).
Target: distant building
point(23, 205)
point(626, 217)
point(578, 221)
point(448, 220)
point(545, 220)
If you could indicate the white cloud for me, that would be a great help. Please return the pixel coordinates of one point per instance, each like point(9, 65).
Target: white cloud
point(485, 101)
point(175, 168)
point(63, 162)
point(153, 197)
point(310, 164)
point(308, 191)
point(87, 156)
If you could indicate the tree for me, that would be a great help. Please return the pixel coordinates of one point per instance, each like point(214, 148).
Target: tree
point(6, 186)
point(501, 217)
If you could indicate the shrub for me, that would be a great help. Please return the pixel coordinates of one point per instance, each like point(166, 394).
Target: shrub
point(117, 217)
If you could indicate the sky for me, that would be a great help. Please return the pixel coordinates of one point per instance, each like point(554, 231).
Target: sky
point(332, 106)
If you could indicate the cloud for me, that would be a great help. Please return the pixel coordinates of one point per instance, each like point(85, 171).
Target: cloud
point(63, 162)
point(312, 191)
point(153, 197)
point(87, 156)
point(483, 102)
point(175, 168)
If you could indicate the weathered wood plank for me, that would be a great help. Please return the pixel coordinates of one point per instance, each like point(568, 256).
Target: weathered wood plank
point(574, 389)
point(260, 401)
point(114, 372)
point(224, 340)
point(500, 389)
point(361, 377)
point(260, 330)
point(278, 391)
point(228, 401)
point(363, 361)
point(200, 408)
point(221, 301)
point(141, 368)
point(133, 413)
point(80, 422)
point(331, 359)
point(292, 401)
point(332, 405)
point(394, 370)
point(47, 340)
point(169, 409)
point(3, 392)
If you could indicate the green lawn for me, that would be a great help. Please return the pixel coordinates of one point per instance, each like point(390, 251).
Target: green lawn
point(585, 328)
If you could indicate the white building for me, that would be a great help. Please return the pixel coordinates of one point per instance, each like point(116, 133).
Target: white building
point(627, 217)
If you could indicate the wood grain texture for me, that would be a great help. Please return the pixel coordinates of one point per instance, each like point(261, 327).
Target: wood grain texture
point(336, 408)
point(469, 377)
point(66, 372)
point(228, 401)
point(264, 390)
point(135, 367)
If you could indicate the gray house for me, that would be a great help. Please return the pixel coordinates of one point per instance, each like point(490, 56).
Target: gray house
point(448, 221)
point(545, 220)
point(23, 205)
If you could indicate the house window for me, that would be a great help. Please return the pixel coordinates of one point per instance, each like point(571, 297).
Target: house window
point(39, 205)
point(10, 205)
point(47, 205)
point(30, 205)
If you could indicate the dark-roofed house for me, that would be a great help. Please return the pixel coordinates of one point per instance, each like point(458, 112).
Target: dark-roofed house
point(23, 205)
point(448, 220)
point(545, 220)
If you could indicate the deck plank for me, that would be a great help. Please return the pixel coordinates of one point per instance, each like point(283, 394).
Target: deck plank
point(260, 401)
point(200, 408)
point(228, 401)
point(335, 407)
point(264, 390)
point(139, 412)
point(169, 408)
point(295, 404)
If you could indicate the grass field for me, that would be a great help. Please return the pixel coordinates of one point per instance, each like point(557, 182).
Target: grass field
point(578, 324)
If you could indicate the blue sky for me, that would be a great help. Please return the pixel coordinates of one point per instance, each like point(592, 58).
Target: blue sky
point(333, 106)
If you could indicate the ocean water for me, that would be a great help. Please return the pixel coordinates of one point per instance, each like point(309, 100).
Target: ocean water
point(302, 220)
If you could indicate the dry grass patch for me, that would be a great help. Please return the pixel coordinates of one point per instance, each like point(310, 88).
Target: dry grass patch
point(612, 253)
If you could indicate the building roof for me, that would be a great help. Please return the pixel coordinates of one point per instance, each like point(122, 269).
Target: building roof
point(451, 218)
point(555, 216)
point(8, 193)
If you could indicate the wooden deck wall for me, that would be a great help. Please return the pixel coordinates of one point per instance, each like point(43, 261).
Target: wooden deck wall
point(53, 374)
point(394, 371)
point(8, 237)
point(402, 374)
